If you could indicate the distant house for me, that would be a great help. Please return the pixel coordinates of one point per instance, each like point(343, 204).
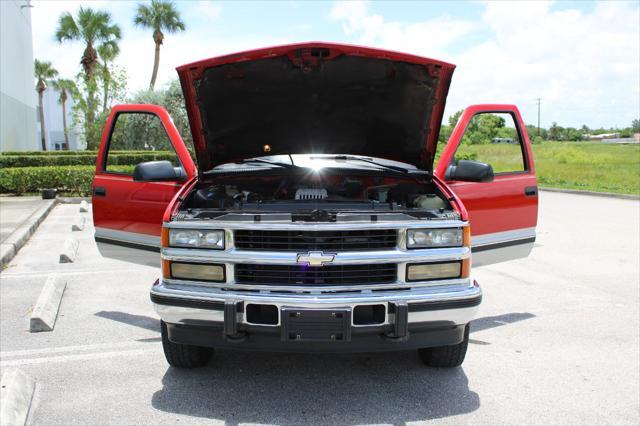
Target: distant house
point(602, 136)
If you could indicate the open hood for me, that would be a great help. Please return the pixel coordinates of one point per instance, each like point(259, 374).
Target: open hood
point(315, 98)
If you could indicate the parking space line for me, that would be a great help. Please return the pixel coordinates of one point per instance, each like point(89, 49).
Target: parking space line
point(78, 357)
point(73, 272)
point(75, 348)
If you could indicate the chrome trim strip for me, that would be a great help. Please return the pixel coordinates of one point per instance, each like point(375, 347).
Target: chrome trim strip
point(423, 294)
point(127, 237)
point(313, 226)
point(499, 237)
point(325, 289)
point(397, 255)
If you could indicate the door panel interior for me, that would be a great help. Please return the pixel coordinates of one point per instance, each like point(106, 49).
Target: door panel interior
point(503, 213)
point(128, 214)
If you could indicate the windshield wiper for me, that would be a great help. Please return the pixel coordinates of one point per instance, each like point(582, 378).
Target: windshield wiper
point(289, 166)
point(271, 163)
point(368, 161)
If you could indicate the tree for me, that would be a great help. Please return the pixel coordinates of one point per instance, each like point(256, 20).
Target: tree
point(160, 15)
point(635, 126)
point(453, 119)
point(107, 52)
point(92, 28)
point(66, 88)
point(172, 99)
point(555, 132)
point(117, 93)
point(43, 71)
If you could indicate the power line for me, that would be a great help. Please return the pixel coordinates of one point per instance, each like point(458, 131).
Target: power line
point(538, 101)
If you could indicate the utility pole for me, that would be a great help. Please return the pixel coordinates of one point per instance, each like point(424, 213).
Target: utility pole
point(538, 100)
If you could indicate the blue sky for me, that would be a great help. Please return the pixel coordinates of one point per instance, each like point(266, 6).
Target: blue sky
point(582, 58)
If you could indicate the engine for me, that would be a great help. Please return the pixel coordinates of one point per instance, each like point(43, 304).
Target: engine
point(316, 191)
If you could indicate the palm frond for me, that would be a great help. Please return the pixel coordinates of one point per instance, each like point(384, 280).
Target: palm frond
point(44, 70)
point(67, 28)
point(160, 15)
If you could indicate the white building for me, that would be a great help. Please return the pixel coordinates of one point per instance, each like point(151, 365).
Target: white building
point(18, 105)
point(53, 123)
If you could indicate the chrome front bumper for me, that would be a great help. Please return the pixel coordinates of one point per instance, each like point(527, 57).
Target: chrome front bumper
point(454, 303)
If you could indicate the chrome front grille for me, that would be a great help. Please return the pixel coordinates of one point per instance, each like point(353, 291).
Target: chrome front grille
point(299, 241)
point(325, 275)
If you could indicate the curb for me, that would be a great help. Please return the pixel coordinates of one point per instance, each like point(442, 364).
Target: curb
point(69, 251)
point(21, 235)
point(44, 314)
point(15, 397)
point(592, 193)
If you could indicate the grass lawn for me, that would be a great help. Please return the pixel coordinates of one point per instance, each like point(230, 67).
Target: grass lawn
point(573, 165)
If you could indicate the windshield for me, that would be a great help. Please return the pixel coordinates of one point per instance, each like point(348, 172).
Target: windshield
point(318, 162)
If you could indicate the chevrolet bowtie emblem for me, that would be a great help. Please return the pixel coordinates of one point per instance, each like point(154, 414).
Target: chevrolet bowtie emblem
point(315, 258)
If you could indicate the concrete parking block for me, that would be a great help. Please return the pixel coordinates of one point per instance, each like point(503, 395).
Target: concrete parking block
point(16, 393)
point(79, 223)
point(45, 312)
point(69, 251)
point(84, 206)
point(7, 251)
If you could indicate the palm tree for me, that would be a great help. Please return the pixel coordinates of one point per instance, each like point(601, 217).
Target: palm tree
point(160, 15)
point(43, 71)
point(107, 52)
point(66, 88)
point(91, 27)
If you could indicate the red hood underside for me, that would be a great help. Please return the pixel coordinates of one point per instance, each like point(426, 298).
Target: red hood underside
point(316, 98)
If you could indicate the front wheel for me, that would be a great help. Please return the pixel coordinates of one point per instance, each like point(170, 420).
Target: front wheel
point(446, 356)
point(183, 356)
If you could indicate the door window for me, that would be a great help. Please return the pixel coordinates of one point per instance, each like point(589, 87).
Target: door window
point(134, 132)
point(495, 139)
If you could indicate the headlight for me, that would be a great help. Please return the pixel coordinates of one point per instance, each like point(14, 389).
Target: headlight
point(196, 238)
point(434, 271)
point(422, 238)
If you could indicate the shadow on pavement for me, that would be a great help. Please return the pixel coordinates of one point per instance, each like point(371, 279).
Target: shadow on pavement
point(141, 321)
point(240, 387)
point(485, 323)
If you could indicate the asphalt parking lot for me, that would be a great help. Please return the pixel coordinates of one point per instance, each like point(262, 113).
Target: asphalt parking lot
point(556, 341)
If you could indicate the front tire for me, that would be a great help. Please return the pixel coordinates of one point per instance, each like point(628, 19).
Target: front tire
point(446, 356)
point(183, 356)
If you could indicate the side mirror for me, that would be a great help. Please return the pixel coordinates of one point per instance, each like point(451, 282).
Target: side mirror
point(156, 171)
point(470, 171)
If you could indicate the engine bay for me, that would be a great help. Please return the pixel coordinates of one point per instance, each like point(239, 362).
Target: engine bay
point(309, 196)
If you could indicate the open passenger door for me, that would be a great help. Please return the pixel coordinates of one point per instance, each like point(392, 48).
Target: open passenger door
point(129, 203)
point(503, 211)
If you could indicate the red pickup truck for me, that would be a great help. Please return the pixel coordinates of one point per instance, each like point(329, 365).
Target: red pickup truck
point(313, 217)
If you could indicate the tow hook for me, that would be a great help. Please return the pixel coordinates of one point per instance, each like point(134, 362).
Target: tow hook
point(231, 333)
point(400, 331)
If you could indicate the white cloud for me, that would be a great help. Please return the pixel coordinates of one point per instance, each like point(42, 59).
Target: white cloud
point(429, 37)
point(583, 65)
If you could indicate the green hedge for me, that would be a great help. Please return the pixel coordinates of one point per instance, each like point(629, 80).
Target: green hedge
point(56, 153)
point(117, 157)
point(68, 179)
point(11, 153)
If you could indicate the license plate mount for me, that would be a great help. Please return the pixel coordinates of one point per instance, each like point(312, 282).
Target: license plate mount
point(315, 325)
